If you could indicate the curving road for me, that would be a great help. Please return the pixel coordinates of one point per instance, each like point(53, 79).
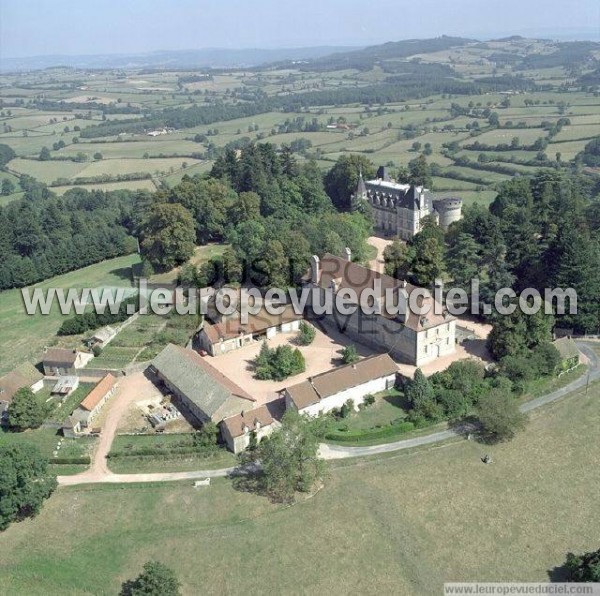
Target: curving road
point(99, 472)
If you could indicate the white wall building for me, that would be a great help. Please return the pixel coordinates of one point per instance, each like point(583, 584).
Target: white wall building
point(332, 389)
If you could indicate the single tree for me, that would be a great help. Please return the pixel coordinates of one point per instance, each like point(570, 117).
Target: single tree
point(584, 568)
point(397, 258)
point(350, 354)
point(428, 263)
point(8, 187)
point(306, 333)
point(168, 235)
point(289, 459)
point(499, 415)
point(24, 482)
point(156, 580)
point(25, 411)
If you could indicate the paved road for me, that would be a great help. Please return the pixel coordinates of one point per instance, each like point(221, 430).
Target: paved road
point(99, 472)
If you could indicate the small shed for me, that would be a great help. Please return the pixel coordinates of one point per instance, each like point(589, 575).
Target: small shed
point(65, 385)
point(569, 352)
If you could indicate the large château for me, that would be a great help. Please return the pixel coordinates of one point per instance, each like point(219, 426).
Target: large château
point(400, 208)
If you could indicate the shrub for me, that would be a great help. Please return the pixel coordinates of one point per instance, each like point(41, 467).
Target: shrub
point(278, 364)
point(350, 354)
point(347, 409)
point(306, 334)
point(369, 400)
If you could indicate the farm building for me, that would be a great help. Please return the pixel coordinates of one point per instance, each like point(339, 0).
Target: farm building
point(569, 352)
point(102, 337)
point(59, 361)
point(239, 430)
point(91, 405)
point(65, 385)
point(25, 375)
point(198, 387)
point(71, 427)
point(332, 389)
point(411, 338)
point(230, 334)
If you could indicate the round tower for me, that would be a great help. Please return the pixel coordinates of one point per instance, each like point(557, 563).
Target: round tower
point(448, 209)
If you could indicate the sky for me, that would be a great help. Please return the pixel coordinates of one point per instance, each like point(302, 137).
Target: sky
point(48, 27)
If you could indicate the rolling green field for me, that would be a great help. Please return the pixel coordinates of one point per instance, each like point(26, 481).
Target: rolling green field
point(400, 524)
point(384, 133)
point(24, 336)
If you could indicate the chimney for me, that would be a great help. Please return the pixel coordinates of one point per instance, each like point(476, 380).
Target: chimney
point(314, 266)
point(348, 254)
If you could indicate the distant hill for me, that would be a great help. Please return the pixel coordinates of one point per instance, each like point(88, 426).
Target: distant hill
point(366, 58)
point(167, 59)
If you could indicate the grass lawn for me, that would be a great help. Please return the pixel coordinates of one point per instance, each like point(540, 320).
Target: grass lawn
point(387, 407)
point(202, 254)
point(24, 337)
point(46, 440)
point(400, 524)
point(114, 357)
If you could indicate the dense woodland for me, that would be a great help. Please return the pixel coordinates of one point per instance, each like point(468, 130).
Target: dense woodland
point(539, 232)
point(273, 212)
point(43, 235)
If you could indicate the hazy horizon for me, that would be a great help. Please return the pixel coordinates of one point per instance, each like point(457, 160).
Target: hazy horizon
point(44, 28)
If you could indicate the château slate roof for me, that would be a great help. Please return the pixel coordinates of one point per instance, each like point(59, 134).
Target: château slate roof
point(406, 196)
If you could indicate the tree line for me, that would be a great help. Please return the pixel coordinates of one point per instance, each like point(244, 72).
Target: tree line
point(43, 235)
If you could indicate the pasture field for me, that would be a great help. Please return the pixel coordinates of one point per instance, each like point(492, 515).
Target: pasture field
point(24, 336)
point(145, 184)
point(46, 440)
point(50, 171)
point(399, 524)
point(383, 133)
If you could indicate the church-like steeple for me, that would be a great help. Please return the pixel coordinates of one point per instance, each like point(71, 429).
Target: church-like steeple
point(361, 189)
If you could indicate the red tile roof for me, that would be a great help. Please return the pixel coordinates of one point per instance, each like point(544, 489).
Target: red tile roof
point(96, 395)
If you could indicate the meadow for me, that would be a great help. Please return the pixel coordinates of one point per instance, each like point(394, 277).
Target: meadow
point(24, 337)
point(399, 524)
point(384, 133)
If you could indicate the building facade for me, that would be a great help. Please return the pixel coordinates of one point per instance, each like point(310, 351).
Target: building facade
point(409, 337)
point(230, 333)
point(252, 425)
point(332, 389)
point(400, 208)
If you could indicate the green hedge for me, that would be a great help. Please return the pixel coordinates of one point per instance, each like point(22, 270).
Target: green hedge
point(371, 433)
point(156, 451)
point(70, 460)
